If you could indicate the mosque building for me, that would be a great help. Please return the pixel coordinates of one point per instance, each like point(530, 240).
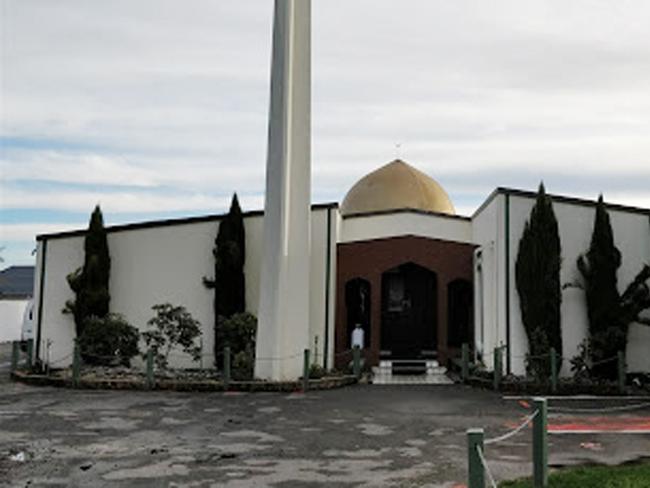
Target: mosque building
point(393, 256)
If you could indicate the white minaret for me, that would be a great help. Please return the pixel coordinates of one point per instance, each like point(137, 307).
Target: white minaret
point(283, 328)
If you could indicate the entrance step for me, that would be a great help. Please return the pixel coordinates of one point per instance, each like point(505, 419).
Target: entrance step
point(410, 372)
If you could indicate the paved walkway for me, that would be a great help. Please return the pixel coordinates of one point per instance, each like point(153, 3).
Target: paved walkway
point(367, 436)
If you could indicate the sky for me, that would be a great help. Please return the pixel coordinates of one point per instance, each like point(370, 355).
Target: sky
point(158, 108)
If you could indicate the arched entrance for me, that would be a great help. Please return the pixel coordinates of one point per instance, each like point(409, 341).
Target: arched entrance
point(409, 312)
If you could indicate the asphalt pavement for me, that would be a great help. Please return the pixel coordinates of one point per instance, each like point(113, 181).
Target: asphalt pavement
point(362, 436)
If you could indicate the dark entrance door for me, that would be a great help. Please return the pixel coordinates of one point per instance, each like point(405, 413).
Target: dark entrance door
point(409, 311)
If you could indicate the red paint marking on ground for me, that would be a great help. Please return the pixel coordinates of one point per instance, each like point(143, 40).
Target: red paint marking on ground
point(603, 424)
point(232, 393)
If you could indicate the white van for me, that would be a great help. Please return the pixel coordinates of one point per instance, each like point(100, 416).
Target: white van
point(27, 331)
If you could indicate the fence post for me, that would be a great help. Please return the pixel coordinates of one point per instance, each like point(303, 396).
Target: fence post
point(226, 367)
point(356, 362)
point(305, 372)
point(553, 370)
point(76, 365)
point(475, 470)
point(622, 372)
point(540, 444)
point(150, 376)
point(497, 368)
point(30, 353)
point(465, 361)
point(15, 355)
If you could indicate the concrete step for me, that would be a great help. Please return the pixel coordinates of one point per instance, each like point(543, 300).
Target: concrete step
point(410, 372)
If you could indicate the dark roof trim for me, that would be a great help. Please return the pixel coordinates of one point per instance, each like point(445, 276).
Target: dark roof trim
point(559, 199)
point(405, 210)
point(169, 222)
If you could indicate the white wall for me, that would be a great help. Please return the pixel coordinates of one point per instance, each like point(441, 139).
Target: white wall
point(11, 318)
point(166, 264)
point(489, 312)
point(632, 237)
point(379, 226)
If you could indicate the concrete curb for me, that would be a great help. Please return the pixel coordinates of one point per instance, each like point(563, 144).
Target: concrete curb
point(177, 385)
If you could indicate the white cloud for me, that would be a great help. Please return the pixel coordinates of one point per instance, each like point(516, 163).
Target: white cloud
point(123, 201)
point(10, 233)
point(162, 106)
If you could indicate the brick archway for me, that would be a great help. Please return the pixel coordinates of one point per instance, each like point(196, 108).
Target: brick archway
point(368, 260)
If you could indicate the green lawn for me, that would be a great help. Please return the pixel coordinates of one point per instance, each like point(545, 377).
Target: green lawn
point(629, 476)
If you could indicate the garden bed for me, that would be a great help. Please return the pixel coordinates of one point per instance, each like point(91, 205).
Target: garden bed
point(523, 386)
point(136, 381)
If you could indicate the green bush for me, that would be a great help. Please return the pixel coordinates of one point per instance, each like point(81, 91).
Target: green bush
point(316, 372)
point(238, 332)
point(173, 327)
point(108, 341)
point(243, 365)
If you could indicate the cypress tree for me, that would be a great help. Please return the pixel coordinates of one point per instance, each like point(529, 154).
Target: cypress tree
point(90, 282)
point(599, 266)
point(537, 272)
point(229, 283)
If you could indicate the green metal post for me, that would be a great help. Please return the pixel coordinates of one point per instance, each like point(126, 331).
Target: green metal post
point(553, 370)
point(475, 471)
point(226, 367)
point(622, 372)
point(151, 381)
point(465, 359)
point(305, 372)
point(15, 355)
point(497, 368)
point(30, 353)
point(540, 444)
point(356, 362)
point(76, 365)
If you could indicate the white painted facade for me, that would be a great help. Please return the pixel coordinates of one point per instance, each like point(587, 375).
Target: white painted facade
point(395, 224)
point(158, 262)
point(497, 229)
point(167, 263)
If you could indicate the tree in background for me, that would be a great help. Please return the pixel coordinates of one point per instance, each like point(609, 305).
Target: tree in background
point(90, 282)
point(538, 283)
point(610, 313)
point(229, 283)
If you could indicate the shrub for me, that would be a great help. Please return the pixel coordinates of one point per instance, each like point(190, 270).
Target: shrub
point(243, 365)
point(238, 332)
point(108, 341)
point(173, 327)
point(316, 372)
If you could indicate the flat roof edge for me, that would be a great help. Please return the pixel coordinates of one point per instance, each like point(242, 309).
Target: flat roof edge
point(168, 222)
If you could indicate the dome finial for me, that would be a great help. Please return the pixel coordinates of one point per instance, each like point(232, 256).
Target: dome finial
point(398, 151)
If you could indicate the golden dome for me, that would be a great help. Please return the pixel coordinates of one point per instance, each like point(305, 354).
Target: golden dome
point(394, 186)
